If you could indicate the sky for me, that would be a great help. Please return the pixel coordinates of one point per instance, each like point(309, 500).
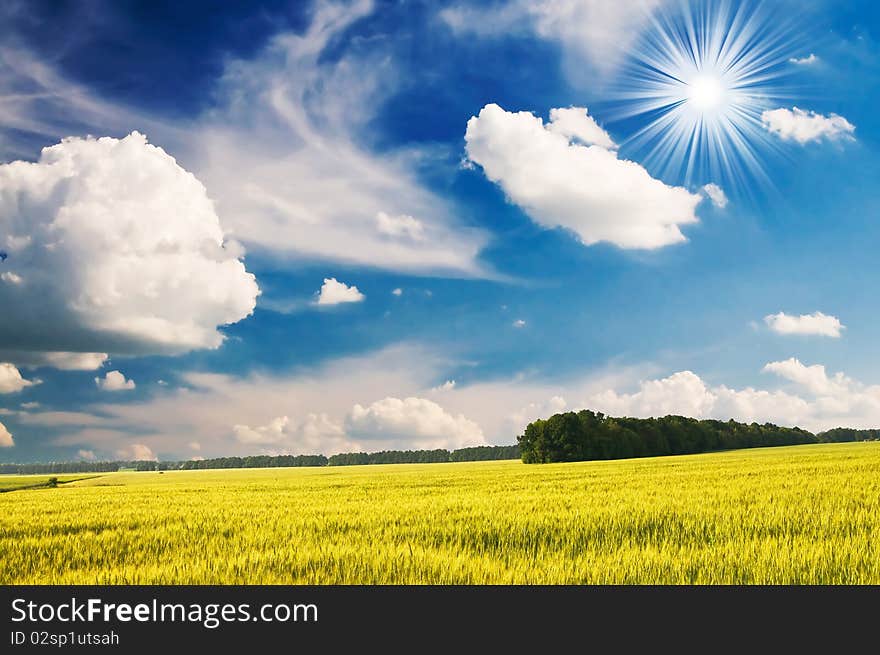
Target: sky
point(283, 227)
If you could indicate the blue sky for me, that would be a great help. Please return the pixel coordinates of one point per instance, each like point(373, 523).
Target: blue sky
point(357, 205)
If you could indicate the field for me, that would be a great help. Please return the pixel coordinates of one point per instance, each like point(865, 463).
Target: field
point(803, 514)
point(13, 482)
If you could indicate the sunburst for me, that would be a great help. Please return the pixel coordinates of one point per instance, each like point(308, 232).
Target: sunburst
point(699, 80)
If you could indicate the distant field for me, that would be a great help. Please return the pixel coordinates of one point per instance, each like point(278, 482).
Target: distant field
point(14, 482)
point(802, 514)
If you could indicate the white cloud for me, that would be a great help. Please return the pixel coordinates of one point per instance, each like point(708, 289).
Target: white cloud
point(281, 149)
point(11, 379)
point(114, 381)
point(586, 189)
point(449, 385)
point(62, 419)
point(421, 422)
point(86, 455)
point(816, 323)
point(11, 278)
point(575, 124)
point(126, 253)
point(63, 361)
point(686, 394)
point(283, 154)
point(402, 226)
point(267, 434)
point(596, 31)
point(813, 378)
point(313, 434)
point(681, 393)
point(804, 61)
point(205, 407)
point(397, 292)
point(137, 452)
point(829, 401)
point(761, 406)
point(31, 405)
point(333, 292)
point(519, 323)
point(66, 361)
point(804, 126)
point(528, 413)
point(6, 440)
point(716, 194)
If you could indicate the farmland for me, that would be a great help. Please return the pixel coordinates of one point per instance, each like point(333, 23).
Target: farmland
point(17, 482)
point(790, 515)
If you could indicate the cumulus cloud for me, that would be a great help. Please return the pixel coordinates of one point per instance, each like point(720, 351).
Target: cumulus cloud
point(422, 423)
point(576, 124)
point(449, 385)
point(681, 393)
point(584, 188)
point(6, 440)
point(816, 323)
point(813, 378)
point(686, 394)
point(315, 433)
point(86, 455)
point(333, 292)
point(716, 194)
point(519, 323)
point(818, 401)
point(114, 381)
point(804, 61)
point(124, 253)
point(11, 278)
point(804, 126)
point(11, 379)
point(397, 292)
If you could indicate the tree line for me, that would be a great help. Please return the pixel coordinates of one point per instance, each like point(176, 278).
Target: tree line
point(566, 437)
point(587, 435)
point(480, 453)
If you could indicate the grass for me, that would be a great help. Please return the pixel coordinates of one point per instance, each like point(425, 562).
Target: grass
point(802, 514)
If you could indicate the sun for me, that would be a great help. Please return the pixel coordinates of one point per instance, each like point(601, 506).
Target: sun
point(706, 93)
point(697, 83)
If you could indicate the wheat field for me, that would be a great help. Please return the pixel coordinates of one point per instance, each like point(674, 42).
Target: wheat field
point(803, 514)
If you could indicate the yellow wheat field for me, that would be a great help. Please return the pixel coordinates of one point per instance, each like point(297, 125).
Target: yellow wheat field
point(804, 514)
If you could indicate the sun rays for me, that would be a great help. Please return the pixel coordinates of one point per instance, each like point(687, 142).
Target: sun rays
point(699, 80)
